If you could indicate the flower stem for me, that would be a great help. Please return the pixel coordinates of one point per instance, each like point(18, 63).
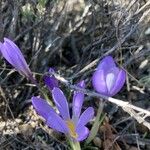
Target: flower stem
point(43, 92)
point(75, 145)
point(97, 123)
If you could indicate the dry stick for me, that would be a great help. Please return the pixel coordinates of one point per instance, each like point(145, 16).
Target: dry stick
point(4, 97)
point(126, 106)
point(142, 8)
point(27, 30)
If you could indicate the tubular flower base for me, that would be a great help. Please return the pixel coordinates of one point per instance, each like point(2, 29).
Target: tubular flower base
point(108, 79)
point(13, 55)
point(74, 127)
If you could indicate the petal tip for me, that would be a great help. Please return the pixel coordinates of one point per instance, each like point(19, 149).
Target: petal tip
point(56, 89)
point(7, 40)
point(33, 99)
point(83, 134)
point(106, 63)
point(81, 84)
point(51, 70)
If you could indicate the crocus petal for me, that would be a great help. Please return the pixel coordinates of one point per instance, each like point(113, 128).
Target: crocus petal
point(42, 107)
point(99, 83)
point(78, 99)
point(50, 82)
point(13, 55)
point(111, 78)
point(57, 123)
point(0, 48)
point(106, 63)
point(51, 70)
point(121, 77)
point(61, 103)
point(82, 133)
point(86, 116)
point(12, 45)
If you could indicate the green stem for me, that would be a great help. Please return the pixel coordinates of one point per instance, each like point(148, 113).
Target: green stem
point(75, 145)
point(97, 123)
point(42, 90)
point(34, 81)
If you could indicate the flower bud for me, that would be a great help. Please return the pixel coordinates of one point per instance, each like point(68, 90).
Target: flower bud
point(108, 79)
point(13, 55)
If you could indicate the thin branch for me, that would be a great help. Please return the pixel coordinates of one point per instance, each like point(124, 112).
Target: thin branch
point(134, 111)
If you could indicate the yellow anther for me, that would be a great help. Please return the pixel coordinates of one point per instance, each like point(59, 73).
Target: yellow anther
point(71, 127)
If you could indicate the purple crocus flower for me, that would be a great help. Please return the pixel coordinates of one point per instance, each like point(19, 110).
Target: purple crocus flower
point(13, 55)
point(50, 80)
point(73, 127)
point(108, 79)
point(0, 48)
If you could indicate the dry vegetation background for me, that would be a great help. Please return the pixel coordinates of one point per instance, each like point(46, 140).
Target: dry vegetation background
point(72, 35)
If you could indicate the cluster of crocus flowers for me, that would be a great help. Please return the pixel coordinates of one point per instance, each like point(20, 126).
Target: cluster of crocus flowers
point(73, 127)
point(10, 51)
point(108, 79)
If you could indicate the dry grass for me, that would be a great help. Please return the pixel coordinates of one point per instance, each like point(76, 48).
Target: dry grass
point(72, 37)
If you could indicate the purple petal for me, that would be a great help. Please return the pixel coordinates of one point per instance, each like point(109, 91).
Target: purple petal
point(86, 116)
point(51, 82)
point(121, 77)
point(78, 99)
point(106, 63)
point(0, 48)
point(13, 55)
point(12, 45)
point(61, 103)
point(82, 133)
point(51, 70)
point(99, 83)
point(42, 107)
point(111, 77)
point(57, 123)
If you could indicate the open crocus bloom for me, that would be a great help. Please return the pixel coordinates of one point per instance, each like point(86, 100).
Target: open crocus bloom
point(108, 79)
point(13, 55)
point(73, 127)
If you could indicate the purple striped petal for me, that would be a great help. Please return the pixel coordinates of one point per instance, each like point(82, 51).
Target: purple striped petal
point(86, 116)
point(42, 107)
point(121, 77)
point(61, 103)
point(13, 55)
point(99, 83)
point(82, 133)
point(50, 82)
point(57, 123)
point(106, 63)
point(78, 99)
